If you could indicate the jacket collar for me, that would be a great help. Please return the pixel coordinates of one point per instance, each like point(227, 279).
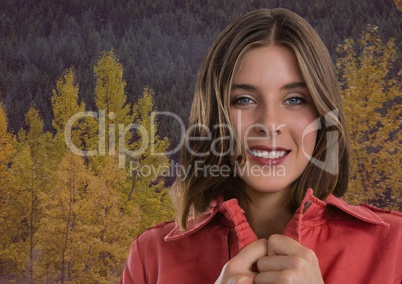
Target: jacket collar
point(194, 224)
point(314, 212)
point(313, 208)
point(310, 212)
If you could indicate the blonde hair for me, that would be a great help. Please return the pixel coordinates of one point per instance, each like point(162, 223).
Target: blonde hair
point(210, 116)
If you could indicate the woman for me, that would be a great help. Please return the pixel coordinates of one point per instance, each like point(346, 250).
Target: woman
point(267, 107)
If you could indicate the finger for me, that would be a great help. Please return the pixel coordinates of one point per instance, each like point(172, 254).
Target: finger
point(242, 279)
point(275, 277)
point(240, 268)
point(283, 245)
point(250, 254)
point(274, 263)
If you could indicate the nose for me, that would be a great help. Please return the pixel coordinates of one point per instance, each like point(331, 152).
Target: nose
point(269, 124)
point(263, 130)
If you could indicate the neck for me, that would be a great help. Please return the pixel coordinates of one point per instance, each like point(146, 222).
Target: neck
point(267, 213)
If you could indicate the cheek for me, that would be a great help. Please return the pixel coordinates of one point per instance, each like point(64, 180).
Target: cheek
point(236, 132)
point(307, 133)
point(238, 123)
point(236, 119)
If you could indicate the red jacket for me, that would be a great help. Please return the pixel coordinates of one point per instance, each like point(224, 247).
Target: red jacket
point(354, 244)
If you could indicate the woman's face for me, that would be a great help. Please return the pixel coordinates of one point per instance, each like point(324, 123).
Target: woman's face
point(271, 109)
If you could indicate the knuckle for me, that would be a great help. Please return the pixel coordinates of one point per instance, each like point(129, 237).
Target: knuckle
point(273, 238)
point(287, 277)
point(296, 262)
point(260, 264)
point(229, 266)
point(310, 256)
point(239, 279)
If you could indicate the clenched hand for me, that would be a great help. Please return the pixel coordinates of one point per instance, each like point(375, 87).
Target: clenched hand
point(278, 260)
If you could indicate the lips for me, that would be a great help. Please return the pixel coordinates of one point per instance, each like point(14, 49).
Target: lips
point(268, 155)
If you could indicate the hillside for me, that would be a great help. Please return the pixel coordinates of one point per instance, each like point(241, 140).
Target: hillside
point(159, 43)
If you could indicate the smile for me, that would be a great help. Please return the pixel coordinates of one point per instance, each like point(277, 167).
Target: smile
point(267, 154)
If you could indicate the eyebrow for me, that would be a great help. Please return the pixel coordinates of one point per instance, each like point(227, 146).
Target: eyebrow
point(246, 87)
point(294, 85)
point(290, 86)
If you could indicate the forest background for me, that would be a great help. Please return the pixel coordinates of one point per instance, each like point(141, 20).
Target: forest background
point(68, 218)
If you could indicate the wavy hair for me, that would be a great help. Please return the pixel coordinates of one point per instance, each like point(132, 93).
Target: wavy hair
point(210, 120)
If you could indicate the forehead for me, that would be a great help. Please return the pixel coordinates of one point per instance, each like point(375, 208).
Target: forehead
point(273, 63)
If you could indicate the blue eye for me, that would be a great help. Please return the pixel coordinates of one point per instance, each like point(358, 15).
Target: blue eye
point(242, 101)
point(295, 101)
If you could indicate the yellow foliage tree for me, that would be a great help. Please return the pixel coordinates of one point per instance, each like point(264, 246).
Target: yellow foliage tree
point(67, 218)
point(65, 105)
point(112, 224)
point(398, 5)
point(19, 231)
point(111, 102)
point(63, 226)
point(65, 100)
point(109, 88)
point(7, 150)
point(7, 143)
point(149, 167)
point(74, 127)
point(84, 233)
point(31, 174)
point(10, 254)
point(371, 89)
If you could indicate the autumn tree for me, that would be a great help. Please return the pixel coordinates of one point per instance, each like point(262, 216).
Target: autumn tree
point(398, 5)
point(371, 90)
point(10, 234)
point(65, 100)
point(65, 106)
point(7, 150)
point(149, 166)
point(7, 144)
point(111, 102)
point(135, 137)
point(64, 225)
point(68, 218)
point(31, 168)
point(112, 223)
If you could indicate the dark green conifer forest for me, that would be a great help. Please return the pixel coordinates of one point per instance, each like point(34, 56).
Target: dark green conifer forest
point(160, 44)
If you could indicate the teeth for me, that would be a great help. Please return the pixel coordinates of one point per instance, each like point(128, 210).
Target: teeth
point(267, 154)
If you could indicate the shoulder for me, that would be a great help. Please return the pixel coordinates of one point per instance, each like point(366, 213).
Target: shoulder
point(149, 245)
point(365, 213)
point(141, 262)
point(362, 239)
point(391, 217)
point(156, 233)
point(373, 222)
